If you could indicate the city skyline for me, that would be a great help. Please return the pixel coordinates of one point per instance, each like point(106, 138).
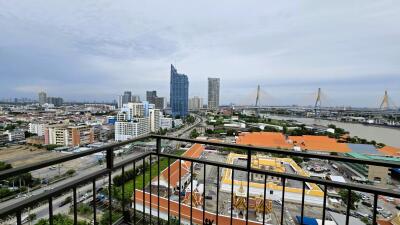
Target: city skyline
point(351, 54)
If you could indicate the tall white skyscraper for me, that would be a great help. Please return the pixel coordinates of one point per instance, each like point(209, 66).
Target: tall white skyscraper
point(213, 93)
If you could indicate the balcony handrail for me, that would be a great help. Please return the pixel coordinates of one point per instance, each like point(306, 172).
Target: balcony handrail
point(35, 166)
point(65, 187)
point(285, 152)
point(357, 187)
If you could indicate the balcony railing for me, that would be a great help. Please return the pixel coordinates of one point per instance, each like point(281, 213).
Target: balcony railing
point(157, 204)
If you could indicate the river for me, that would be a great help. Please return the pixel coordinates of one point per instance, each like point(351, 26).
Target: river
point(388, 136)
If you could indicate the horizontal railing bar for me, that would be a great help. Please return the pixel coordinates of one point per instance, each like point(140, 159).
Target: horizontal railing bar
point(23, 169)
point(119, 165)
point(285, 152)
point(62, 188)
point(56, 191)
point(34, 166)
point(356, 187)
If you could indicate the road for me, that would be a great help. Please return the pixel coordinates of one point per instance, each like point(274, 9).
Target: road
point(183, 132)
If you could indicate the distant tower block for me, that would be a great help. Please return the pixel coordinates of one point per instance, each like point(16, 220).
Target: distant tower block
point(385, 102)
point(317, 106)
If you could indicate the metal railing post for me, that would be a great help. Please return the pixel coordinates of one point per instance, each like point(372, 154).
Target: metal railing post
point(110, 158)
point(110, 166)
point(158, 145)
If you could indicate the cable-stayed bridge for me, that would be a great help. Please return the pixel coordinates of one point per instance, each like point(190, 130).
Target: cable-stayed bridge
point(319, 104)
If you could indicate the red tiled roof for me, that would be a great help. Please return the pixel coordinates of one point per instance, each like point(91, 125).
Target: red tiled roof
point(194, 152)
point(197, 214)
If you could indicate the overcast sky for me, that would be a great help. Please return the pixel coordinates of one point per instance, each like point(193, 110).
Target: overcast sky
point(94, 50)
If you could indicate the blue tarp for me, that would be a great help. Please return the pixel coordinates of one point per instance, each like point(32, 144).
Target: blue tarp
point(364, 149)
point(307, 220)
point(396, 170)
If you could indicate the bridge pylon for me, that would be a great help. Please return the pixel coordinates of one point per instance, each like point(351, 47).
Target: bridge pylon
point(318, 103)
point(258, 100)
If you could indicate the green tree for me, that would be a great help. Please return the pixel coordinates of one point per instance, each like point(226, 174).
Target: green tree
point(70, 172)
point(4, 192)
point(354, 198)
point(4, 166)
point(285, 130)
point(194, 134)
point(31, 217)
point(61, 219)
point(10, 127)
point(230, 132)
point(84, 209)
point(254, 129)
point(106, 217)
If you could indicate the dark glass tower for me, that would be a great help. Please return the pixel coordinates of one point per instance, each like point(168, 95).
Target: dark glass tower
point(179, 89)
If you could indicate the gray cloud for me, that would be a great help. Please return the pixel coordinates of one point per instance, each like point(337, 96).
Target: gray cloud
point(94, 50)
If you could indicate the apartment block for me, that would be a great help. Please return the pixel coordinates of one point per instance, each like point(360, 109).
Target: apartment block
point(125, 130)
point(67, 135)
point(37, 128)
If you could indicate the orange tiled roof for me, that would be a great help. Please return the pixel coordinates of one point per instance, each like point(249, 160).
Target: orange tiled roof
point(308, 142)
point(264, 139)
point(383, 222)
point(319, 143)
point(194, 152)
point(390, 150)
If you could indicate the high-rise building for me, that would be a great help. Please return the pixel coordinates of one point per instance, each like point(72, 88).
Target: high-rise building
point(125, 130)
point(42, 98)
point(152, 98)
point(135, 98)
point(120, 100)
point(127, 97)
point(150, 95)
point(56, 101)
point(154, 115)
point(213, 93)
point(159, 102)
point(179, 89)
point(135, 119)
point(195, 103)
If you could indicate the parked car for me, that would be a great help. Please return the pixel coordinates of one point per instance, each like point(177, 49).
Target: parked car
point(386, 214)
point(389, 199)
point(366, 203)
point(360, 215)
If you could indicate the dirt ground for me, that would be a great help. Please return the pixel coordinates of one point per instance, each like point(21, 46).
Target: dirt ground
point(19, 155)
